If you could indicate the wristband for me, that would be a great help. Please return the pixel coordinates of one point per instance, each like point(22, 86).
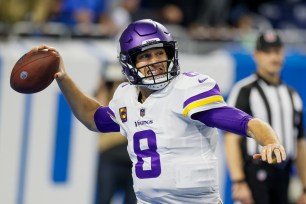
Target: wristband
point(240, 181)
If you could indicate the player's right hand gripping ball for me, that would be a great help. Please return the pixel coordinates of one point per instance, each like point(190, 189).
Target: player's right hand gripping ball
point(34, 71)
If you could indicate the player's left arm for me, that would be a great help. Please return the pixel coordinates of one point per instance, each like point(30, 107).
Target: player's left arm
point(204, 102)
point(236, 121)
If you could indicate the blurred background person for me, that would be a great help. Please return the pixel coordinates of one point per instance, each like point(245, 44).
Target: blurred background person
point(114, 176)
point(77, 15)
point(47, 17)
point(266, 96)
point(12, 11)
point(118, 14)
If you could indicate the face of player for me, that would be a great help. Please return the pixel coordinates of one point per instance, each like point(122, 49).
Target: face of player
point(152, 62)
point(270, 62)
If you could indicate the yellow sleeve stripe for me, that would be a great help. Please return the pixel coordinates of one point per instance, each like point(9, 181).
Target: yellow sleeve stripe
point(203, 102)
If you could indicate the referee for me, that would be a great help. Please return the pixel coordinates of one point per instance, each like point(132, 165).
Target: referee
point(264, 95)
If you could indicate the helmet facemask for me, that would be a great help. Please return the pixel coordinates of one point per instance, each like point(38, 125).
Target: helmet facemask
point(155, 81)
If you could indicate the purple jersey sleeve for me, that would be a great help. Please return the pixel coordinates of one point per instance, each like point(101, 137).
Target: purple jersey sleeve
point(103, 120)
point(226, 118)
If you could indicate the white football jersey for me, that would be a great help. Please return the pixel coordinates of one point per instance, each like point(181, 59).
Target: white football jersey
point(173, 155)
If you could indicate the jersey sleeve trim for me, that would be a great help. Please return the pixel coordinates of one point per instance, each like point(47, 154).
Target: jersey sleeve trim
point(205, 98)
point(105, 119)
point(214, 91)
point(203, 102)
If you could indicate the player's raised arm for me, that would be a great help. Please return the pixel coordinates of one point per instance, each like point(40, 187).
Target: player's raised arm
point(82, 106)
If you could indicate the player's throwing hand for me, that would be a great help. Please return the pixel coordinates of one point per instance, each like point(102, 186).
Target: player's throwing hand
point(61, 70)
point(271, 153)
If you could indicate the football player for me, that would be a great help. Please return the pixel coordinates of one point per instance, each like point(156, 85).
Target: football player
point(169, 118)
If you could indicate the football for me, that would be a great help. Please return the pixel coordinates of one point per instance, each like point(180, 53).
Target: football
point(34, 71)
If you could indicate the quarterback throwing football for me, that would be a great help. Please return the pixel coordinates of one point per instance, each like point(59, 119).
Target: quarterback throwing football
point(169, 118)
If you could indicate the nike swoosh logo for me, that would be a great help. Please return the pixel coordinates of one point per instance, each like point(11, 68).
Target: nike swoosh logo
point(202, 80)
point(112, 117)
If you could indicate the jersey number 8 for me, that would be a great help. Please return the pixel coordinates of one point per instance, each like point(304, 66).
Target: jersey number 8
point(144, 155)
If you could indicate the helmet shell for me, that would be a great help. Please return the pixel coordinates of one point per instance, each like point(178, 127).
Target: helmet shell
point(143, 32)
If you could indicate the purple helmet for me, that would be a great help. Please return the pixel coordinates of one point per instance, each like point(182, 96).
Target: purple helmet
point(140, 36)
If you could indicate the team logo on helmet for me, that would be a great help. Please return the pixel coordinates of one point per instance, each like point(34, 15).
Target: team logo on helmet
point(152, 40)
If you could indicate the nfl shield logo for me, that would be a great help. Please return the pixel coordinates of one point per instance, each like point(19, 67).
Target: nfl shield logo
point(142, 112)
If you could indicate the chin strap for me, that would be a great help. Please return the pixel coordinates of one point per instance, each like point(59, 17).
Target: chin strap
point(156, 87)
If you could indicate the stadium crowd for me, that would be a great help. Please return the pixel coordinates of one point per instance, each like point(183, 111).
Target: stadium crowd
point(202, 19)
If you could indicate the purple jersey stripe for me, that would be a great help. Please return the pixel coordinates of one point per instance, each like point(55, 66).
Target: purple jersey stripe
point(211, 92)
point(104, 121)
point(225, 118)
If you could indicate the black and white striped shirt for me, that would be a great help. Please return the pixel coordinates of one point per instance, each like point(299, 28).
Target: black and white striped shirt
point(279, 105)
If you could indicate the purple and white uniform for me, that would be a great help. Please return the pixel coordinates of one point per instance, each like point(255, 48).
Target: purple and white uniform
point(172, 139)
